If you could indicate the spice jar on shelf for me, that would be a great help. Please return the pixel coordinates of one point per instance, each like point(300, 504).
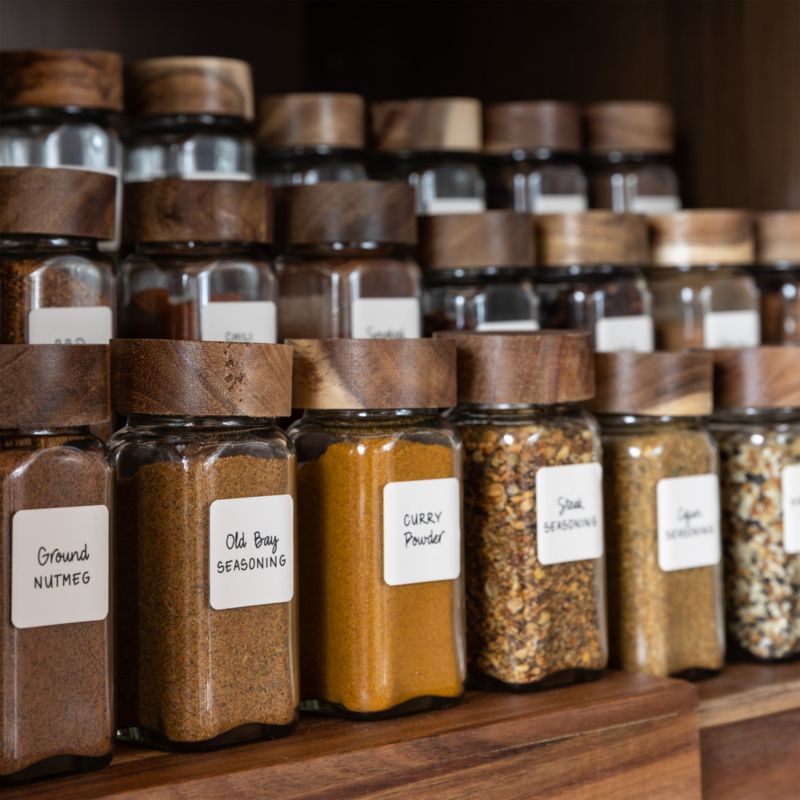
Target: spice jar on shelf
point(348, 271)
point(589, 277)
point(533, 157)
point(777, 275)
point(206, 625)
point(434, 145)
point(55, 491)
point(757, 424)
point(533, 509)
point(477, 272)
point(702, 293)
point(55, 285)
point(379, 488)
point(197, 270)
point(660, 478)
point(190, 117)
point(631, 144)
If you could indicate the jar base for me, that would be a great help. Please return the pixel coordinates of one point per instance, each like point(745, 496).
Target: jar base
point(696, 673)
point(413, 706)
point(737, 653)
point(567, 677)
point(54, 767)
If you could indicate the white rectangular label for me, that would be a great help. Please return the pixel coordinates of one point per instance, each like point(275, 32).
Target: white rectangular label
point(655, 204)
point(251, 551)
point(385, 318)
point(454, 205)
point(732, 329)
point(618, 334)
point(80, 325)
point(569, 519)
point(790, 484)
point(239, 322)
point(688, 522)
point(421, 531)
point(59, 566)
point(508, 325)
point(559, 203)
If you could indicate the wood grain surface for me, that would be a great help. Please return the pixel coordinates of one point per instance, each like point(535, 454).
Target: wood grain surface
point(757, 377)
point(630, 126)
point(532, 125)
point(778, 237)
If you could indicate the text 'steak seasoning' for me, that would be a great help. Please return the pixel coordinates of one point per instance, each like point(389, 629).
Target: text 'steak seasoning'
point(379, 488)
point(662, 513)
point(55, 546)
point(533, 509)
point(206, 645)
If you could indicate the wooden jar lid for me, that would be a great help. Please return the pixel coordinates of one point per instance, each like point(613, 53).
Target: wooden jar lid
point(545, 367)
point(630, 126)
point(175, 210)
point(373, 373)
point(700, 237)
point(441, 123)
point(61, 78)
point(57, 202)
point(654, 384)
point(311, 120)
point(53, 385)
point(756, 377)
point(590, 238)
point(161, 377)
point(189, 85)
point(778, 237)
point(351, 211)
point(464, 241)
point(532, 125)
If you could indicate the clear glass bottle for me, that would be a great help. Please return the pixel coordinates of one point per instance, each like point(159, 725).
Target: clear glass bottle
point(661, 485)
point(703, 295)
point(379, 485)
point(348, 270)
point(532, 161)
point(195, 274)
point(56, 287)
point(477, 272)
point(588, 276)
point(56, 661)
point(434, 145)
point(207, 633)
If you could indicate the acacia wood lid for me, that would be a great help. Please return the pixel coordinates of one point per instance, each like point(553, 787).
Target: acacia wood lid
point(545, 367)
point(489, 239)
point(756, 377)
point(630, 126)
point(53, 385)
point(654, 384)
point(699, 237)
point(163, 377)
point(351, 211)
point(175, 210)
point(532, 125)
point(778, 237)
point(373, 373)
point(440, 123)
point(311, 119)
point(590, 238)
point(57, 202)
point(61, 78)
point(189, 85)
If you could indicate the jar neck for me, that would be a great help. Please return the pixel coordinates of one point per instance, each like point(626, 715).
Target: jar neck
point(469, 275)
point(696, 269)
point(544, 272)
point(26, 243)
point(103, 118)
point(755, 416)
point(349, 250)
point(543, 155)
point(630, 157)
point(290, 153)
point(47, 431)
point(197, 423)
point(196, 248)
point(633, 421)
point(189, 123)
point(387, 416)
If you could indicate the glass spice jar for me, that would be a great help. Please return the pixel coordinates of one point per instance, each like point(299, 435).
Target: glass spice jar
point(379, 488)
point(631, 144)
point(588, 277)
point(205, 483)
point(757, 424)
point(55, 285)
point(348, 271)
point(702, 293)
point(55, 491)
point(532, 161)
point(190, 117)
point(777, 275)
point(434, 145)
point(477, 272)
point(198, 270)
point(533, 509)
point(660, 478)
